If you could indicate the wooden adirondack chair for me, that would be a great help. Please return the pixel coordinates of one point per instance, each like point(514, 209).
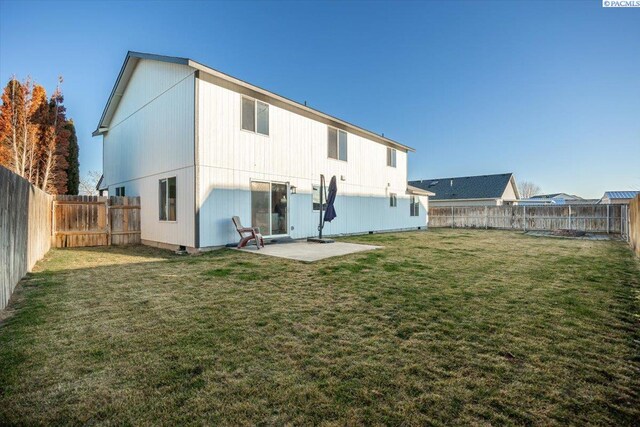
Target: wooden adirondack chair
point(247, 234)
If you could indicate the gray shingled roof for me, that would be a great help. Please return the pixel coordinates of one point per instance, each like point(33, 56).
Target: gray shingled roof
point(466, 187)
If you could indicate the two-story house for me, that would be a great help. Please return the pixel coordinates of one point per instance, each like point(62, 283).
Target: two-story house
point(199, 146)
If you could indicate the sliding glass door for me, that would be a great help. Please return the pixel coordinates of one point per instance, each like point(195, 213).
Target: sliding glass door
point(269, 207)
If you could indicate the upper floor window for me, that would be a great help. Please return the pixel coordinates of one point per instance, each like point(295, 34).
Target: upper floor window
point(414, 206)
point(337, 144)
point(393, 200)
point(255, 116)
point(391, 157)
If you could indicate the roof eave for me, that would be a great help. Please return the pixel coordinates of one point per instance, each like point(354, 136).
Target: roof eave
point(219, 74)
point(127, 70)
point(419, 191)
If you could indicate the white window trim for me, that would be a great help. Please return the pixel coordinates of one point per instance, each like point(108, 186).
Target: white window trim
point(394, 153)
point(255, 116)
point(267, 181)
point(324, 203)
point(414, 201)
point(337, 144)
point(170, 221)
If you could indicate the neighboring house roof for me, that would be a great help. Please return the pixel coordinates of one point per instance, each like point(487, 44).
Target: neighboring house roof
point(467, 187)
point(133, 58)
point(557, 195)
point(620, 194)
point(99, 185)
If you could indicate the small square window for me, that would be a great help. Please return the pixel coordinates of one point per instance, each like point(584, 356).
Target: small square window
point(316, 198)
point(120, 191)
point(255, 116)
point(337, 144)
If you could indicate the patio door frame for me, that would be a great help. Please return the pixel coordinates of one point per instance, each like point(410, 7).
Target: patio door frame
point(271, 182)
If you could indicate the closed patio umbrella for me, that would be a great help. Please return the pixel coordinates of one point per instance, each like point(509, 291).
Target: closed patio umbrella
point(330, 213)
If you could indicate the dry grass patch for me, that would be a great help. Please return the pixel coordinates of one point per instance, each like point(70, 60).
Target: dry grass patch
point(442, 327)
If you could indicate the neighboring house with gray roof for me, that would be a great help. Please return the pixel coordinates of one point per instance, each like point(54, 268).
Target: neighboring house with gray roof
point(483, 190)
point(618, 197)
point(557, 199)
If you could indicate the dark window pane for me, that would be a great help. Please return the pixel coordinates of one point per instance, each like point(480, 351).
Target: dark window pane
point(162, 199)
point(332, 143)
point(316, 199)
point(343, 145)
point(172, 198)
point(278, 209)
point(263, 117)
point(414, 205)
point(248, 114)
point(260, 212)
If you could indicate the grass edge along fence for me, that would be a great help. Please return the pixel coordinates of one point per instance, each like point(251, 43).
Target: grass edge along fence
point(600, 218)
point(634, 225)
point(25, 229)
point(31, 221)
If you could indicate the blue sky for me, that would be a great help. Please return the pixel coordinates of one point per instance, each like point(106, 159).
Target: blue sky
point(547, 90)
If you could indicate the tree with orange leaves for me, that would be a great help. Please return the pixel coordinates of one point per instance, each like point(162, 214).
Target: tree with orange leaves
point(34, 135)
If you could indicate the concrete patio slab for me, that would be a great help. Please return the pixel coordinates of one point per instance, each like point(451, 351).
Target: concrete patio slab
point(307, 251)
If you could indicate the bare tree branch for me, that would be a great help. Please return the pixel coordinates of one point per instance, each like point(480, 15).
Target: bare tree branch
point(88, 183)
point(528, 189)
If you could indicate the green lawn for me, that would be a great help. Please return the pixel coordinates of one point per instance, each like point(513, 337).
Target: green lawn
point(440, 327)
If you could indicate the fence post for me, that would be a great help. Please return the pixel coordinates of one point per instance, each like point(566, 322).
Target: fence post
point(107, 212)
point(52, 238)
point(524, 218)
point(486, 217)
point(608, 222)
point(570, 217)
point(452, 219)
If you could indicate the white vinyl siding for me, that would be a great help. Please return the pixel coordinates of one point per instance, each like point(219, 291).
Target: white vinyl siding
point(151, 137)
point(230, 158)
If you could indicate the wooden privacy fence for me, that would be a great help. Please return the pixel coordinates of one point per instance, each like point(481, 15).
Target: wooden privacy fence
point(95, 221)
point(588, 218)
point(634, 224)
point(25, 229)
